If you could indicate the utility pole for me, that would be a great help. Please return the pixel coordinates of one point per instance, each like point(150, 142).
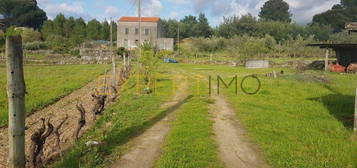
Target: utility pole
point(178, 38)
point(113, 56)
point(16, 89)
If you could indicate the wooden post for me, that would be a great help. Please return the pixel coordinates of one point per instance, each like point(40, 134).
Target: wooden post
point(355, 125)
point(326, 60)
point(16, 96)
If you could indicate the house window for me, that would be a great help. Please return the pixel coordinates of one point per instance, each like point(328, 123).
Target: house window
point(136, 30)
point(147, 31)
point(126, 31)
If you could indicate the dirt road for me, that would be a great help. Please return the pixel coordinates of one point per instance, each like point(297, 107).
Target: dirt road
point(235, 149)
point(147, 147)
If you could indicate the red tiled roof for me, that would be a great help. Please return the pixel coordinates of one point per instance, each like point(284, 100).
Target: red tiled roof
point(136, 19)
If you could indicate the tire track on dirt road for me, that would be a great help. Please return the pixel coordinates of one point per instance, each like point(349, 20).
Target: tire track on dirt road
point(147, 147)
point(63, 107)
point(235, 149)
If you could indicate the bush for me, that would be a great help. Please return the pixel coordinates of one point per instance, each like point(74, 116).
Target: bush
point(36, 45)
point(75, 52)
point(30, 35)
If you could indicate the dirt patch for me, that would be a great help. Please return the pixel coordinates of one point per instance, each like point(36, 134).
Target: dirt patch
point(62, 108)
point(147, 147)
point(234, 146)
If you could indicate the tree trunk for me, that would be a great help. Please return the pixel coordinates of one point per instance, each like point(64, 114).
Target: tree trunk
point(16, 96)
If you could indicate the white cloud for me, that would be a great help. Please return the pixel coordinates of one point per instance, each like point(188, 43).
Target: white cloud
point(111, 11)
point(74, 9)
point(302, 10)
point(179, 1)
point(153, 8)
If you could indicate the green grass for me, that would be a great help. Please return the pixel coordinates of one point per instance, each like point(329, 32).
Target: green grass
point(130, 116)
point(190, 143)
point(47, 84)
point(297, 121)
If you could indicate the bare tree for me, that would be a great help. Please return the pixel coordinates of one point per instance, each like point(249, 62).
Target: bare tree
point(38, 139)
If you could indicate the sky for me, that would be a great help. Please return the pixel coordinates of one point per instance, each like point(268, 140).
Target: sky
point(215, 10)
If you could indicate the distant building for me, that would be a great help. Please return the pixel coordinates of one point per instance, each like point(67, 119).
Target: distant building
point(151, 31)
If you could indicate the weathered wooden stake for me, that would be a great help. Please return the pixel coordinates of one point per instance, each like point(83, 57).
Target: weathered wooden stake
point(326, 60)
point(355, 126)
point(16, 89)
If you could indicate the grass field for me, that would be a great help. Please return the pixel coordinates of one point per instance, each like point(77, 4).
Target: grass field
point(297, 120)
point(46, 84)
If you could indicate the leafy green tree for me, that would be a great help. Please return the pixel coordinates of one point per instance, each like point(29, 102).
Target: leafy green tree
point(47, 29)
point(22, 13)
point(188, 26)
point(203, 29)
point(170, 28)
point(320, 32)
point(79, 32)
point(276, 10)
point(337, 17)
point(68, 26)
point(105, 31)
point(94, 30)
point(58, 25)
point(115, 30)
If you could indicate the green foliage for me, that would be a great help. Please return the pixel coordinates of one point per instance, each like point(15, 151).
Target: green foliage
point(30, 35)
point(165, 54)
point(339, 15)
point(93, 30)
point(59, 44)
point(121, 51)
point(36, 45)
point(320, 32)
point(105, 31)
point(22, 13)
point(148, 63)
point(344, 37)
point(276, 10)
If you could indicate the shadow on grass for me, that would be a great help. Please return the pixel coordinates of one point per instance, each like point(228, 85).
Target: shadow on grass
point(340, 106)
point(119, 137)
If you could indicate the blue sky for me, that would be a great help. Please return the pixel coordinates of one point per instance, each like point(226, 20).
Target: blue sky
point(302, 10)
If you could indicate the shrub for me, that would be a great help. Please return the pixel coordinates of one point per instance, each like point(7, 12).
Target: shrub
point(36, 45)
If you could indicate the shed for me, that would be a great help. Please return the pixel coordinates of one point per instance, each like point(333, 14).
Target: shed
point(345, 53)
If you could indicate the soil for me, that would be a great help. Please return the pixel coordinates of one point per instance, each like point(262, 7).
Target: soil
point(147, 147)
point(66, 105)
point(235, 149)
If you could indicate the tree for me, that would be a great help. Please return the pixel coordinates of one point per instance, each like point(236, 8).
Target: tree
point(58, 25)
point(68, 26)
point(22, 13)
point(93, 30)
point(47, 29)
point(203, 29)
point(276, 10)
point(338, 15)
point(105, 31)
point(188, 26)
point(79, 32)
